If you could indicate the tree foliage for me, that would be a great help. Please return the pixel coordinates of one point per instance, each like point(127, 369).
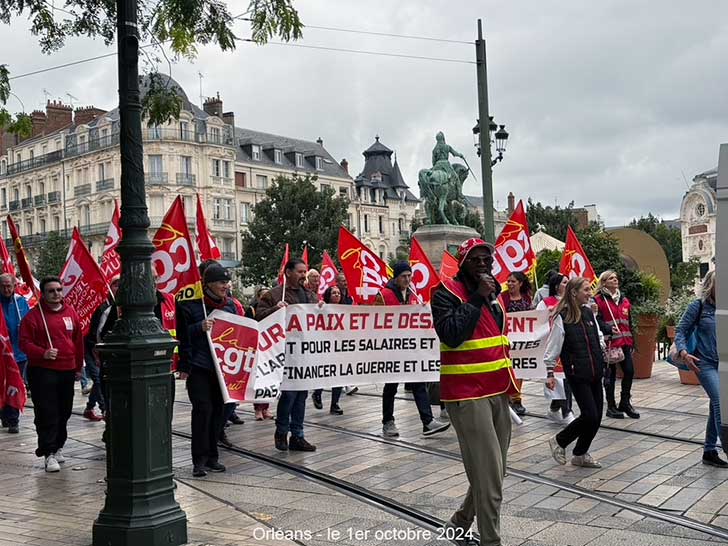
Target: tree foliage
point(553, 220)
point(293, 212)
point(52, 255)
point(177, 24)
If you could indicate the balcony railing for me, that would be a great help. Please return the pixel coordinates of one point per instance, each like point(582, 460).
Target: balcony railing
point(156, 178)
point(83, 189)
point(228, 255)
point(26, 203)
point(14, 205)
point(106, 184)
point(223, 223)
point(34, 163)
point(39, 200)
point(185, 179)
point(54, 197)
point(100, 143)
point(222, 181)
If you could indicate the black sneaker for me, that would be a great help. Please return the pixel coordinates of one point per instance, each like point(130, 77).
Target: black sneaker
point(225, 441)
point(198, 472)
point(281, 441)
point(236, 420)
point(628, 409)
point(518, 408)
point(336, 410)
point(300, 444)
point(614, 413)
point(317, 403)
point(214, 466)
point(13, 429)
point(711, 459)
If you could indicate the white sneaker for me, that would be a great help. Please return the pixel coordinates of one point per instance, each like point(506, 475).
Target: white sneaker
point(555, 416)
point(557, 452)
point(51, 464)
point(585, 461)
point(390, 430)
point(59, 456)
point(569, 418)
point(434, 426)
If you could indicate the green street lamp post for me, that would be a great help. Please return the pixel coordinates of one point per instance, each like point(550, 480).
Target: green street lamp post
point(140, 508)
point(721, 284)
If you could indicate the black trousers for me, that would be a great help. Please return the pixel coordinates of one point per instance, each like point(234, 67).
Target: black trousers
point(590, 399)
point(422, 399)
point(627, 376)
point(207, 414)
point(52, 394)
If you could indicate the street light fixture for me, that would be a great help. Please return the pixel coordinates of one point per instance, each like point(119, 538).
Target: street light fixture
point(498, 136)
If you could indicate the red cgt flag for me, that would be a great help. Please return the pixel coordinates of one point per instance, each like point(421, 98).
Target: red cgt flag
point(424, 274)
point(449, 266)
point(328, 274)
point(513, 247)
point(174, 259)
point(574, 262)
point(23, 263)
point(7, 261)
point(205, 240)
point(84, 284)
point(9, 371)
point(110, 259)
point(286, 257)
point(304, 256)
point(365, 272)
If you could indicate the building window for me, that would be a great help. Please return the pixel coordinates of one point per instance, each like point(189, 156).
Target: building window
point(102, 171)
point(244, 213)
point(216, 169)
point(30, 227)
point(217, 208)
point(366, 223)
point(372, 196)
point(185, 164)
point(401, 222)
point(56, 223)
point(343, 193)
point(41, 187)
point(382, 250)
point(228, 208)
point(700, 210)
point(86, 215)
point(226, 169)
point(349, 221)
point(45, 149)
point(319, 164)
point(155, 132)
point(4, 197)
point(156, 165)
point(42, 225)
point(324, 187)
point(278, 157)
point(240, 180)
point(32, 155)
point(227, 246)
point(2, 167)
point(184, 130)
point(381, 224)
point(215, 135)
point(28, 191)
point(16, 194)
point(299, 160)
point(262, 181)
point(256, 152)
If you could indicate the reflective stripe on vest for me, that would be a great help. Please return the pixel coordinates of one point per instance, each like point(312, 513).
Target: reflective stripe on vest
point(479, 367)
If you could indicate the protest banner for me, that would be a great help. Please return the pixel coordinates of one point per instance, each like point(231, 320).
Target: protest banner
point(110, 259)
point(338, 345)
point(528, 332)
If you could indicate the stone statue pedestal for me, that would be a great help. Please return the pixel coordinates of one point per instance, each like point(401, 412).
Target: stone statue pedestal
point(437, 238)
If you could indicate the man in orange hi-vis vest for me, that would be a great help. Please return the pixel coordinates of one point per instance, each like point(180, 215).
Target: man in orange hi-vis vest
point(476, 379)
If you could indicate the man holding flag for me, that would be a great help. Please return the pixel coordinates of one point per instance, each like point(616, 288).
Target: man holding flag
point(14, 308)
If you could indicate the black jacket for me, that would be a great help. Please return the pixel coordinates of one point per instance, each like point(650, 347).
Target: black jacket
point(581, 353)
point(194, 349)
point(455, 322)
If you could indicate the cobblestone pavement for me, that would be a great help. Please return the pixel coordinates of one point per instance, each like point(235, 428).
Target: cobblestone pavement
point(252, 498)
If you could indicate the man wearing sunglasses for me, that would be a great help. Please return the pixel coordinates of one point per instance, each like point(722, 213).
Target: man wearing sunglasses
point(51, 337)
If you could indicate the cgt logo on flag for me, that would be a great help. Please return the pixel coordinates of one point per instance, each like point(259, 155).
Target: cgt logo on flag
point(235, 346)
point(372, 278)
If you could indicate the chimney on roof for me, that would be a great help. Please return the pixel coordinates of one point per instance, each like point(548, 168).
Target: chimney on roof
point(213, 106)
point(58, 115)
point(345, 165)
point(511, 203)
point(86, 114)
point(320, 141)
point(38, 120)
point(229, 118)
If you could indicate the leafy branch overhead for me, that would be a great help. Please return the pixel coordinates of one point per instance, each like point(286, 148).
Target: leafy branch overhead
point(179, 25)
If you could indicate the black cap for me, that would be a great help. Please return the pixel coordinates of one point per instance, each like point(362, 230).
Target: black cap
point(215, 273)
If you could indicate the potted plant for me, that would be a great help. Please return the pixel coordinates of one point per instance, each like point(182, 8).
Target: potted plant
point(646, 312)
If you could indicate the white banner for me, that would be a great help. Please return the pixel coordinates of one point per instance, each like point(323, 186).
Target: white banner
point(338, 345)
point(528, 332)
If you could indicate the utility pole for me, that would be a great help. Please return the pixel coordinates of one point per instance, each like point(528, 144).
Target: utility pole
point(140, 508)
point(484, 121)
point(721, 283)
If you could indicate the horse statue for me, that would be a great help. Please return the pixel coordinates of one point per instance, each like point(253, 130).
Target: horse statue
point(443, 194)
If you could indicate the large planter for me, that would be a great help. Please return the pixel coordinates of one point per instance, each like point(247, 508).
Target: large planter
point(645, 341)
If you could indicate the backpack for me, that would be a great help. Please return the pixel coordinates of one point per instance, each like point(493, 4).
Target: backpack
point(690, 345)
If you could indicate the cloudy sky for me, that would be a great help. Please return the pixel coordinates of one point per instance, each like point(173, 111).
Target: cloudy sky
point(618, 102)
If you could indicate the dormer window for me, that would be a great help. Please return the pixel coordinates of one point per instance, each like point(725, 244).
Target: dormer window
point(299, 160)
point(256, 152)
point(319, 163)
point(278, 157)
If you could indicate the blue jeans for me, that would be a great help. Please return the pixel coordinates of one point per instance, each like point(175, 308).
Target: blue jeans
point(290, 412)
point(9, 415)
point(708, 377)
point(94, 374)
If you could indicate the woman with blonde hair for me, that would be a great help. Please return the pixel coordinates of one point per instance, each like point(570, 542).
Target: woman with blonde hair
point(577, 339)
point(698, 322)
point(615, 311)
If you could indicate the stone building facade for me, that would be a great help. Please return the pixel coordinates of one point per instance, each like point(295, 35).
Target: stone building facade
point(698, 215)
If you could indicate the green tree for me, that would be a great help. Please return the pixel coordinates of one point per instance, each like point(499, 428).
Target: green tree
point(553, 220)
point(174, 24)
point(292, 212)
point(52, 255)
point(547, 260)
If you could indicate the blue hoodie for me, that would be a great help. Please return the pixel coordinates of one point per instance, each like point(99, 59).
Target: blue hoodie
point(10, 310)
